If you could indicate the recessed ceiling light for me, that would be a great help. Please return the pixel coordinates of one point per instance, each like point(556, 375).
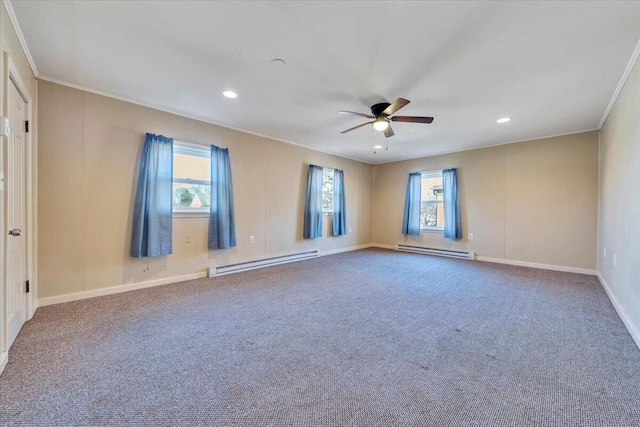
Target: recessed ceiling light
point(377, 146)
point(278, 62)
point(503, 120)
point(230, 94)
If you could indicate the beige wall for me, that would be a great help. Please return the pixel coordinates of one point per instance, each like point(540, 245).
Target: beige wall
point(90, 148)
point(532, 201)
point(619, 208)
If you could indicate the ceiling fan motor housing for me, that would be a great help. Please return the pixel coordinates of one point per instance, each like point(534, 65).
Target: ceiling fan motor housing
point(377, 109)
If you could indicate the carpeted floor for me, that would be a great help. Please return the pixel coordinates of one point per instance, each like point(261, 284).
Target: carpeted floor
point(371, 338)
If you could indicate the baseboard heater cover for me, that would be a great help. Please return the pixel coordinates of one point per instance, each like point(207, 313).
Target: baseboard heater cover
point(438, 252)
point(266, 262)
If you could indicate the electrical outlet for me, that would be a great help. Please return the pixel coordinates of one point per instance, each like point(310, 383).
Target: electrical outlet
point(251, 239)
point(605, 251)
point(187, 238)
point(350, 230)
point(470, 236)
point(614, 260)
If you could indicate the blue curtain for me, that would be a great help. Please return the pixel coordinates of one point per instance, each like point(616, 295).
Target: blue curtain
point(313, 205)
point(452, 223)
point(411, 222)
point(339, 205)
point(222, 223)
point(152, 216)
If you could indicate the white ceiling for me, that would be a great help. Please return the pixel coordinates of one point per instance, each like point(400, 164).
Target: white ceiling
point(552, 67)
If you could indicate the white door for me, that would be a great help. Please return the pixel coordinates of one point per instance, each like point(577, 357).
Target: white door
point(16, 218)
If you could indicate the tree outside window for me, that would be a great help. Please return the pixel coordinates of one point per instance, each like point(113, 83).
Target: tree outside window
point(327, 191)
point(432, 201)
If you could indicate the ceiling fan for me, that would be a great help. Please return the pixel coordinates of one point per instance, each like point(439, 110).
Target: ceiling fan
point(381, 115)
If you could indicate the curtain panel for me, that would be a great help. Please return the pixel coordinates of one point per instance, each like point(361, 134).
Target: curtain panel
point(339, 204)
point(313, 204)
point(411, 221)
point(152, 216)
point(222, 223)
point(452, 222)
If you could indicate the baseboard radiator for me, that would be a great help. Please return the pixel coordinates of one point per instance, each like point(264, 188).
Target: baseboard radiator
point(266, 262)
point(438, 252)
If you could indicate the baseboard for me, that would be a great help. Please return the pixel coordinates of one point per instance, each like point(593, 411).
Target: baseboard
point(538, 265)
point(151, 283)
point(515, 262)
point(349, 249)
point(118, 289)
point(622, 313)
point(33, 309)
point(4, 358)
point(381, 246)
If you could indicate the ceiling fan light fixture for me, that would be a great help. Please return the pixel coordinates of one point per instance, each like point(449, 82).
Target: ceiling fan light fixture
point(230, 94)
point(380, 124)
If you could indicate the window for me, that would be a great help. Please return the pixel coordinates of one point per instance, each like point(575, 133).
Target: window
point(432, 201)
point(327, 191)
point(191, 179)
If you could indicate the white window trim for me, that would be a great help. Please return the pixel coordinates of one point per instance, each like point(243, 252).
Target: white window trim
point(196, 150)
point(191, 213)
point(431, 174)
point(191, 149)
point(331, 172)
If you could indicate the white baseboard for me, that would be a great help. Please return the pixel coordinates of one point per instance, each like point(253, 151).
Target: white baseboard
point(349, 249)
point(4, 358)
point(381, 246)
point(33, 309)
point(538, 265)
point(151, 283)
point(515, 262)
point(118, 289)
point(624, 316)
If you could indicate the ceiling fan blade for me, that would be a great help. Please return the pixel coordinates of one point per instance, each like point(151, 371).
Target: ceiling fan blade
point(356, 127)
point(368, 116)
point(388, 132)
point(412, 119)
point(397, 104)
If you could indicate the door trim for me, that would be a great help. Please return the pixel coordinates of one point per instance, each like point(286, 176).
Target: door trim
point(11, 74)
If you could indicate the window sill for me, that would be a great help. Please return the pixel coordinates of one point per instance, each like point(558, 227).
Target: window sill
point(198, 214)
point(327, 213)
point(432, 230)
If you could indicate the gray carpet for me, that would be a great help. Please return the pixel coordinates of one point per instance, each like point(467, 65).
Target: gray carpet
point(371, 338)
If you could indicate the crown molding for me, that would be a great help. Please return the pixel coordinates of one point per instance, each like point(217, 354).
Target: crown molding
point(623, 80)
point(489, 146)
point(14, 20)
point(200, 119)
point(16, 26)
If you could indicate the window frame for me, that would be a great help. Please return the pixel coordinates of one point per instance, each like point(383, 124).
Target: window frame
point(328, 172)
point(195, 150)
point(431, 174)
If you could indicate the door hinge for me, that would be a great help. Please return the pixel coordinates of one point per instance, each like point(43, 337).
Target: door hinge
point(27, 286)
point(26, 126)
